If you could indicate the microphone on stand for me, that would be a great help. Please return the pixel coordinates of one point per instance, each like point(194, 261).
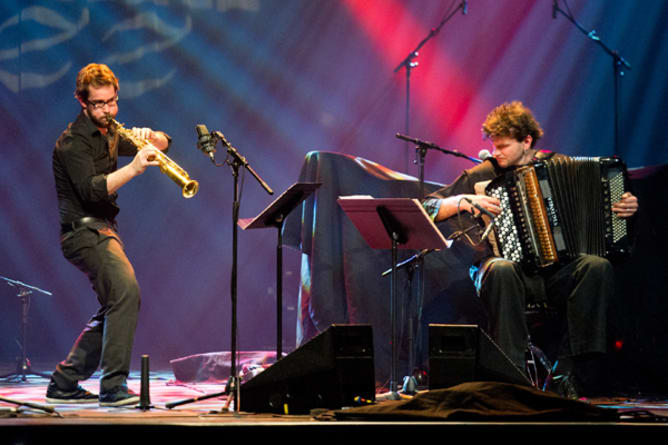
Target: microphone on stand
point(484, 154)
point(421, 254)
point(206, 143)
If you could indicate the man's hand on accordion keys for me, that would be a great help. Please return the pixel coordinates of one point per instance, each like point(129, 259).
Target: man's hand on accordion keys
point(626, 206)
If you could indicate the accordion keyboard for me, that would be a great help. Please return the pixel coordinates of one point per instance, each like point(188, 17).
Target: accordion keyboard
point(616, 188)
point(506, 230)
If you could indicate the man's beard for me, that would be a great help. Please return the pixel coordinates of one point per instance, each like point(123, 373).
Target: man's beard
point(102, 122)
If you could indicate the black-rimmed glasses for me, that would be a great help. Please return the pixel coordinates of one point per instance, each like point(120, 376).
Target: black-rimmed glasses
point(100, 104)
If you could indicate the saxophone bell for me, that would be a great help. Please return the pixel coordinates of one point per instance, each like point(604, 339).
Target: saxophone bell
point(189, 187)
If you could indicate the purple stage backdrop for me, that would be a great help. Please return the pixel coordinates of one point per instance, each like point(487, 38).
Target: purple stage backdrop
point(281, 78)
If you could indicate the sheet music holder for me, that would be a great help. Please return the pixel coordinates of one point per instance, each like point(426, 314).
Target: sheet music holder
point(274, 216)
point(412, 221)
point(406, 226)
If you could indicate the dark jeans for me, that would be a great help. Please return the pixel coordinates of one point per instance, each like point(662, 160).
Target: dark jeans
point(580, 290)
point(107, 339)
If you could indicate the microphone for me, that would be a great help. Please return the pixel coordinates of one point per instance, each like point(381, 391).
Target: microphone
point(465, 7)
point(555, 8)
point(480, 208)
point(484, 154)
point(205, 141)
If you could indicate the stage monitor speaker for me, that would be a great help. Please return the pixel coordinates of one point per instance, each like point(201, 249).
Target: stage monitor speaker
point(465, 353)
point(329, 371)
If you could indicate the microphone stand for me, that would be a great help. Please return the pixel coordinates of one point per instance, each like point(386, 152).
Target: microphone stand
point(618, 65)
point(408, 63)
point(237, 158)
point(23, 366)
point(416, 262)
point(235, 161)
point(421, 148)
point(233, 382)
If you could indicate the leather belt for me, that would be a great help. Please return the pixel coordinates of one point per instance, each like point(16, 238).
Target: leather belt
point(86, 220)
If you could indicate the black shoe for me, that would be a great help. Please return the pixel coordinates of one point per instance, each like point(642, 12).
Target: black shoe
point(78, 395)
point(119, 396)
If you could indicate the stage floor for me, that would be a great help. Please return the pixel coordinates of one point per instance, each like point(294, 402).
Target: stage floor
point(209, 418)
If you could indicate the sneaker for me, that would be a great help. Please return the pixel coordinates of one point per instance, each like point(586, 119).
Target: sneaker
point(119, 396)
point(58, 396)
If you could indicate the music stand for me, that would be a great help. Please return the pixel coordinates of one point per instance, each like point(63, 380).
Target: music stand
point(23, 367)
point(274, 216)
point(407, 226)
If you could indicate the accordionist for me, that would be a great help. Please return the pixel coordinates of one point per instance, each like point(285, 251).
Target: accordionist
point(580, 288)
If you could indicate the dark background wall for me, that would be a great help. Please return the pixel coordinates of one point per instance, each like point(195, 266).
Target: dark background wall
point(279, 79)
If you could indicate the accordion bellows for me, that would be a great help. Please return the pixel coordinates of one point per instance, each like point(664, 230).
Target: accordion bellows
point(557, 209)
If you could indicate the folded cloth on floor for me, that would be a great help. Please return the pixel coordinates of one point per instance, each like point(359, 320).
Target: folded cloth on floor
point(482, 401)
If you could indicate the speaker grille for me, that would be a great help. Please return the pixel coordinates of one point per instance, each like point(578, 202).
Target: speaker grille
point(465, 353)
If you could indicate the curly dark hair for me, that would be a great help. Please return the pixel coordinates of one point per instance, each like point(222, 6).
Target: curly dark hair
point(512, 120)
point(96, 75)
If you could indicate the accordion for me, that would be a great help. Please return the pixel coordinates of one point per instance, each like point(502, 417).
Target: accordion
point(556, 209)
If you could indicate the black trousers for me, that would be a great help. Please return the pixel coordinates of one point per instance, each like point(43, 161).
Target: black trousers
point(106, 341)
point(580, 290)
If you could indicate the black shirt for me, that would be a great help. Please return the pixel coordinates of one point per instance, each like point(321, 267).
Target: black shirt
point(81, 162)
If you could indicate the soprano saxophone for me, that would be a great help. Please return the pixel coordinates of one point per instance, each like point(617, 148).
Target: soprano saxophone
point(188, 186)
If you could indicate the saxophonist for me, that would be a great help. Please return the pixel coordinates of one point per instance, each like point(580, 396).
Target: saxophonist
point(87, 180)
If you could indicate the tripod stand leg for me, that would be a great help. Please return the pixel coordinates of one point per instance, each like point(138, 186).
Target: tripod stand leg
point(23, 367)
point(23, 370)
point(171, 405)
point(45, 408)
point(16, 373)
